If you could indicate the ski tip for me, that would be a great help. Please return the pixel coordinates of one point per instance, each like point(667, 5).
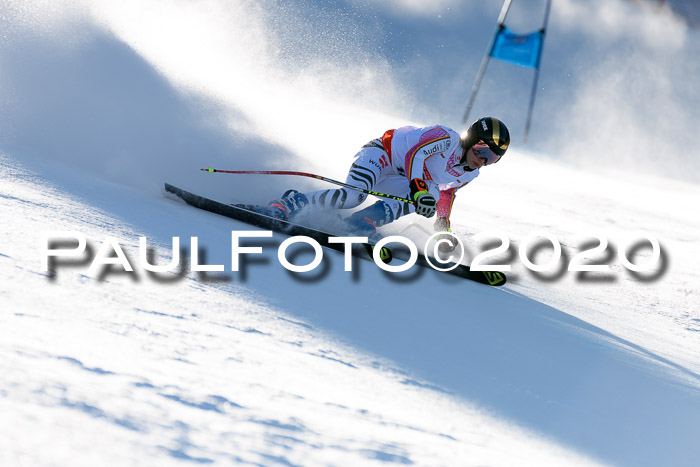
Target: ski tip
point(384, 253)
point(494, 278)
point(208, 170)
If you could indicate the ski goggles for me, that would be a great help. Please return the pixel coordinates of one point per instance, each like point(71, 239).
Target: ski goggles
point(483, 151)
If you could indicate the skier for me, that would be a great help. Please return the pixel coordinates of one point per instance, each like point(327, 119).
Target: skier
point(427, 165)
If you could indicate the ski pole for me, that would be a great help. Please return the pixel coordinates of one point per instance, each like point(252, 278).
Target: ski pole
point(305, 174)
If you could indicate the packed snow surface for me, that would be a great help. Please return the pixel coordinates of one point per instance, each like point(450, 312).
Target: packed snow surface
point(102, 102)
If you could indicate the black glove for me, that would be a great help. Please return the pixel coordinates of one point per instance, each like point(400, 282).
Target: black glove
point(425, 203)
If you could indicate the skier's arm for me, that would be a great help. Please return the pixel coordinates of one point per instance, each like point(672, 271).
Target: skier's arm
point(442, 223)
point(444, 208)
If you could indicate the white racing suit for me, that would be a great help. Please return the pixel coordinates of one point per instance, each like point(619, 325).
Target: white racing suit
point(388, 164)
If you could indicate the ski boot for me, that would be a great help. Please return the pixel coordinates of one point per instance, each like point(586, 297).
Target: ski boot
point(285, 208)
point(365, 221)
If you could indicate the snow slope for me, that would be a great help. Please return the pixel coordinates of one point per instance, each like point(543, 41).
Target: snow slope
point(329, 367)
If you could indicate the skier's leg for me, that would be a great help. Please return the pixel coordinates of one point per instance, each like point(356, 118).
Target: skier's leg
point(365, 221)
point(365, 172)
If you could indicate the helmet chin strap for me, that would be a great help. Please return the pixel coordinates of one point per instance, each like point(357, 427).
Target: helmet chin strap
point(463, 161)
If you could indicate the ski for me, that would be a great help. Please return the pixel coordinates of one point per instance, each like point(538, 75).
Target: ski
point(244, 214)
point(363, 251)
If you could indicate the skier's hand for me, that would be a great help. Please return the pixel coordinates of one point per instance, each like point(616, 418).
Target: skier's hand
point(442, 224)
point(425, 203)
